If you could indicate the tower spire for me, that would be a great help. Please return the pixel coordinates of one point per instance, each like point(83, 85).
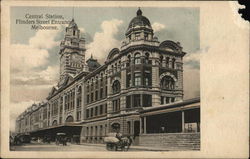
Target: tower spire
point(73, 13)
point(139, 12)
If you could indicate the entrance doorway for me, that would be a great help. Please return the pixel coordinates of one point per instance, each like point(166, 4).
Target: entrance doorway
point(136, 132)
point(115, 127)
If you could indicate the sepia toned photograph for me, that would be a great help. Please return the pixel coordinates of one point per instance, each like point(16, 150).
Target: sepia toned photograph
point(124, 80)
point(105, 79)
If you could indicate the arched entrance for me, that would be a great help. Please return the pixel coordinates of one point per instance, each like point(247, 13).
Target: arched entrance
point(115, 127)
point(54, 123)
point(69, 119)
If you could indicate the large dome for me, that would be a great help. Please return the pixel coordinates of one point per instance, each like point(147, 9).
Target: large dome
point(139, 20)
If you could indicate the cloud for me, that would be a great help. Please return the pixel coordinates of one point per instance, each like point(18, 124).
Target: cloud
point(192, 60)
point(47, 76)
point(191, 82)
point(158, 26)
point(82, 30)
point(44, 39)
point(31, 72)
point(34, 54)
point(105, 40)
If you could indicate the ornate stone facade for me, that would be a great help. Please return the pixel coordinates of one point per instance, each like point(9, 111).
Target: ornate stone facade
point(142, 74)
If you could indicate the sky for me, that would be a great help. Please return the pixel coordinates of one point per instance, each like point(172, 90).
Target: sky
point(35, 59)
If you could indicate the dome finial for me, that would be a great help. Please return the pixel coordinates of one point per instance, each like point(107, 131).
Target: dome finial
point(139, 12)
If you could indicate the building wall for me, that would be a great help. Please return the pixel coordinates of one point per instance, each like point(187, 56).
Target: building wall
point(143, 73)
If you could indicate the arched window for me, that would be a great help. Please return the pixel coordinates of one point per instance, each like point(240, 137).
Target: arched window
point(173, 63)
point(115, 67)
point(161, 60)
point(137, 58)
point(167, 62)
point(79, 99)
point(112, 68)
point(54, 122)
point(147, 58)
point(116, 87)
point(167, 83)
point(129, 60)
point(69, 119)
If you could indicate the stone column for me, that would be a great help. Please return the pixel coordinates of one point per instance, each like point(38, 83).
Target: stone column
point(145, 125)
point(50, 117)
point(75, 105)
point(58, 110)
point(183, 121)
point(83, 103)
point(63, 109)
point(141, 126)
point(132, 127)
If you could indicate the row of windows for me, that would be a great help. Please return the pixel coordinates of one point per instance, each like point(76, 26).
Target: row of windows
point(54, 107)
point(166, 100)
point(97, 84)
point(70, 101)
point(98, 95)
point(139, 80)
point(139, 36)
point(116, 105)
point(96, 130)
point(138, 100)
point(167, 83)
point(138, 59)
point(168, 64)
point(96, 111)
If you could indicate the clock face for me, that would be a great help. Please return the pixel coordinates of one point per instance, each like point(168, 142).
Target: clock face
point(75, 58)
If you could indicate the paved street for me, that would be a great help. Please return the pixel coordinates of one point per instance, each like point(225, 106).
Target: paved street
point(54, 147)
point(69, 147)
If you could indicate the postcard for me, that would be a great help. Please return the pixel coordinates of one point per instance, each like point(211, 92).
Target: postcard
point(124, 79)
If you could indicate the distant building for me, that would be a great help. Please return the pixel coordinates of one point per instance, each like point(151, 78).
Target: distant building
point(138, 91)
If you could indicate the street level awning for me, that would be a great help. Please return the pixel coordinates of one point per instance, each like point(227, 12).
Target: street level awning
point(173, 107)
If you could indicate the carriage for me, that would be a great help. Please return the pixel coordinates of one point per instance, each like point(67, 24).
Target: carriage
point(114, 144)
point(61, 139)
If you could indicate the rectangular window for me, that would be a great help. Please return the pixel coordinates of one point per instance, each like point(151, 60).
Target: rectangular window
point(87, 113)
point(162, 100)
point(106, 91)
point(105, 109)
point(129, 83)
point(137, 100)
point(147, 79)
point(87, 99)
point(96, 84)
point(137, 79)
point(172, 99)
point(101, 93)
point(147, 100)
point(168, 100)
point(96, 95)
point(96, 111)
point(137, 36)
point(92, 97)
point(92, 112)
point(118, 104)
point(128, 101)
point(101, 109)
point(145, 36)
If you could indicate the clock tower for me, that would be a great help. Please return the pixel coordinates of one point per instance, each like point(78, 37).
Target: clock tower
point(72, 51)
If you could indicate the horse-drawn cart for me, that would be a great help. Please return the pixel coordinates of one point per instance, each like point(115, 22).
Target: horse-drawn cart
point(114, 144)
